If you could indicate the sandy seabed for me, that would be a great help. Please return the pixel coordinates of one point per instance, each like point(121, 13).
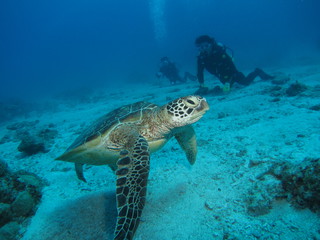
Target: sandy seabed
point(227, 194)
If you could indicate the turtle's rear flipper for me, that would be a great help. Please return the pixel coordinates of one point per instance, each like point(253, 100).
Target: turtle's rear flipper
point(132, 177)
point(79, 171)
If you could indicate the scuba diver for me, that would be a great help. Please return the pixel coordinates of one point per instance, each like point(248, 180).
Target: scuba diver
point(169, 70)
point(214, 58)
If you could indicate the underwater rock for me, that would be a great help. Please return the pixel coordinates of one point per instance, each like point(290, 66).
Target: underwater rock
point(30, 146)
point(10, 231)
point(33, 139)
point(33, 142)
point(315, 107)
point(23, 204)
point(295, 89)
point(29, 180)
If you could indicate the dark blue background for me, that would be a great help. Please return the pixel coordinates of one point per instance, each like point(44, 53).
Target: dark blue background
point(51, 46)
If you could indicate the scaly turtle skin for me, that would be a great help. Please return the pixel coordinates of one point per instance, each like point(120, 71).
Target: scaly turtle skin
point(124, 139)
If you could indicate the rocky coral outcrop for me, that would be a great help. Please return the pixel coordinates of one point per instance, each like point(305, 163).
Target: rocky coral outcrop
point(20, 193)
point(301, 183)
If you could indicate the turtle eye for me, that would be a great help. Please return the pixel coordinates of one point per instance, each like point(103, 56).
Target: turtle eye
point(191, 102)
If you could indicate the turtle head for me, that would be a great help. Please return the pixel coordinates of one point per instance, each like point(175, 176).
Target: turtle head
point(186, 110)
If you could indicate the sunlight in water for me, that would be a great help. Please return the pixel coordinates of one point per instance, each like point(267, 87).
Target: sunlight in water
point(157, 15)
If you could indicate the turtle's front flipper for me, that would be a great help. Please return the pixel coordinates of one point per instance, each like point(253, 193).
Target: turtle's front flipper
point(132, 177)
point(186, 138)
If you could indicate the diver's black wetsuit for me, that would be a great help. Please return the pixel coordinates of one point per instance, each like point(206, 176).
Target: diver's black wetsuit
point(170, 71)
point(221, 65)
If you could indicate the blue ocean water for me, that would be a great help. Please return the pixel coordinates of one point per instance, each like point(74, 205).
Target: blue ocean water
point(50, 46)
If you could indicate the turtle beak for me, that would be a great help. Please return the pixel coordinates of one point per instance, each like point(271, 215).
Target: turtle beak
point(203, 106)
point(200, 110)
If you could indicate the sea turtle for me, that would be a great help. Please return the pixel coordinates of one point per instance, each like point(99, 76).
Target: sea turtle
point(124, 139)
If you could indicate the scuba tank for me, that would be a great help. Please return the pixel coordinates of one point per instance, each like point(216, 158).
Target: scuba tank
point(226, 49)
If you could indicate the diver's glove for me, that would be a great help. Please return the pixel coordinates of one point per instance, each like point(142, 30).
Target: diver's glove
point(202, 90)
point(226, 87)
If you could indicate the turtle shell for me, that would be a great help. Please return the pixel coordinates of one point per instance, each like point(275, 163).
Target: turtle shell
point(127, 113)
